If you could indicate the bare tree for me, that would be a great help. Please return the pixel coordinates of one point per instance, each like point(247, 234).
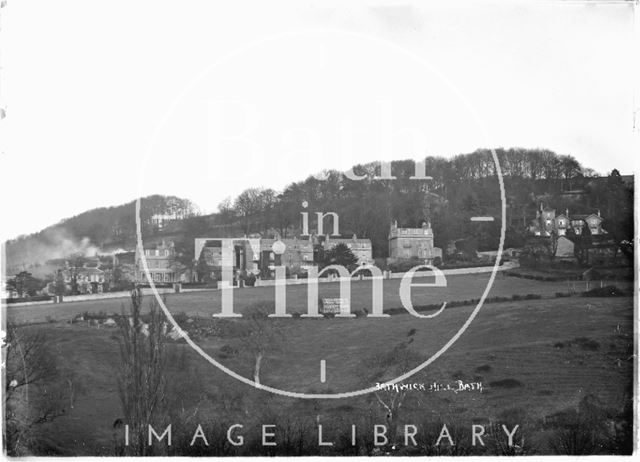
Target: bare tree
point(35, 391)
point(260, 335)
point(381, 367)
point(141, 380)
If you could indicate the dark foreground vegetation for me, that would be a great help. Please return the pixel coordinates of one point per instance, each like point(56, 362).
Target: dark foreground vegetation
point(72, 388)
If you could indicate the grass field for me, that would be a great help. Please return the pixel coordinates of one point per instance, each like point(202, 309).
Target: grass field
point(534, 358)
point(460, 287)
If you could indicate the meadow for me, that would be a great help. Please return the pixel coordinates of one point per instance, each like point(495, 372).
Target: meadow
point(205, 303)
point(536, 360)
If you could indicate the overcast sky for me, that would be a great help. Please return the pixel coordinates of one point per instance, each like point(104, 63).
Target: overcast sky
point(108, 100)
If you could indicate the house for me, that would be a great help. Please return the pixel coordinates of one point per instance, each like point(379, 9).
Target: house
point(407, 243)
point(84, 279)
point(544, 223)
point(161, 220)
point(162, 264)
point(547, 222)
point(298, 253)
point(592, 222)
point(256, 254)
point(361, 248)
point(561, 223)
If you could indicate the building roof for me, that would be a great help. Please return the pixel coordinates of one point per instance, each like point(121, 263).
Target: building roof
point(86, 270)
point(584, 217)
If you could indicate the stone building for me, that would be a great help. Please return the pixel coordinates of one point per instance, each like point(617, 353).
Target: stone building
point(256, 255)
point(361, 248)
point(163, 267)
point(408, 243)
point(547, 221)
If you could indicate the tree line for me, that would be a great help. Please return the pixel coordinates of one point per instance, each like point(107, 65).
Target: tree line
point(459, 188)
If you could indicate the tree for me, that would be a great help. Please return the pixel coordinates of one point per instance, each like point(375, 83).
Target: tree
point(36, 389)
point(254, 206)
point(619, 220)
point(141, 374)
point(259, 335)
point(202, 268)
point(60, 287)
point(570, 168)
point(226, 212)
point(24, 284)
point(551, 245)
point(380, 367)
point(340, 254)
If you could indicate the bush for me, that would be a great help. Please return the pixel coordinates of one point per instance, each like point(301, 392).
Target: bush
point(607, 291)
point(506, 383)
point(180, 317)
point(249, 279)
point(586, 343)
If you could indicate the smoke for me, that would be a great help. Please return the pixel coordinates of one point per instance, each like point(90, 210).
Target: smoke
point(54, 243)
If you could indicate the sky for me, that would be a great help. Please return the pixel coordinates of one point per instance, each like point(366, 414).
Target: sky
point(108, 100)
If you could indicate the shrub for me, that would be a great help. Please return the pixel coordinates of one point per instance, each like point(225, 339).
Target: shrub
point(249, 279)
point(181, 317)
point(607, 291)
point(483, 368)
point(587, 344)
point(228, 350)
point(506, 383)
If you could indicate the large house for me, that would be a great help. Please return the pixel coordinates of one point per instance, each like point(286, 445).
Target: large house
point(408, 243)
point(85, 279)
point(256, 254)
point(361, 248)
point(162, 264)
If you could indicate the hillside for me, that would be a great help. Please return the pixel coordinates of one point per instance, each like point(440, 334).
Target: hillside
point(102, 230)
point(459, 188)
